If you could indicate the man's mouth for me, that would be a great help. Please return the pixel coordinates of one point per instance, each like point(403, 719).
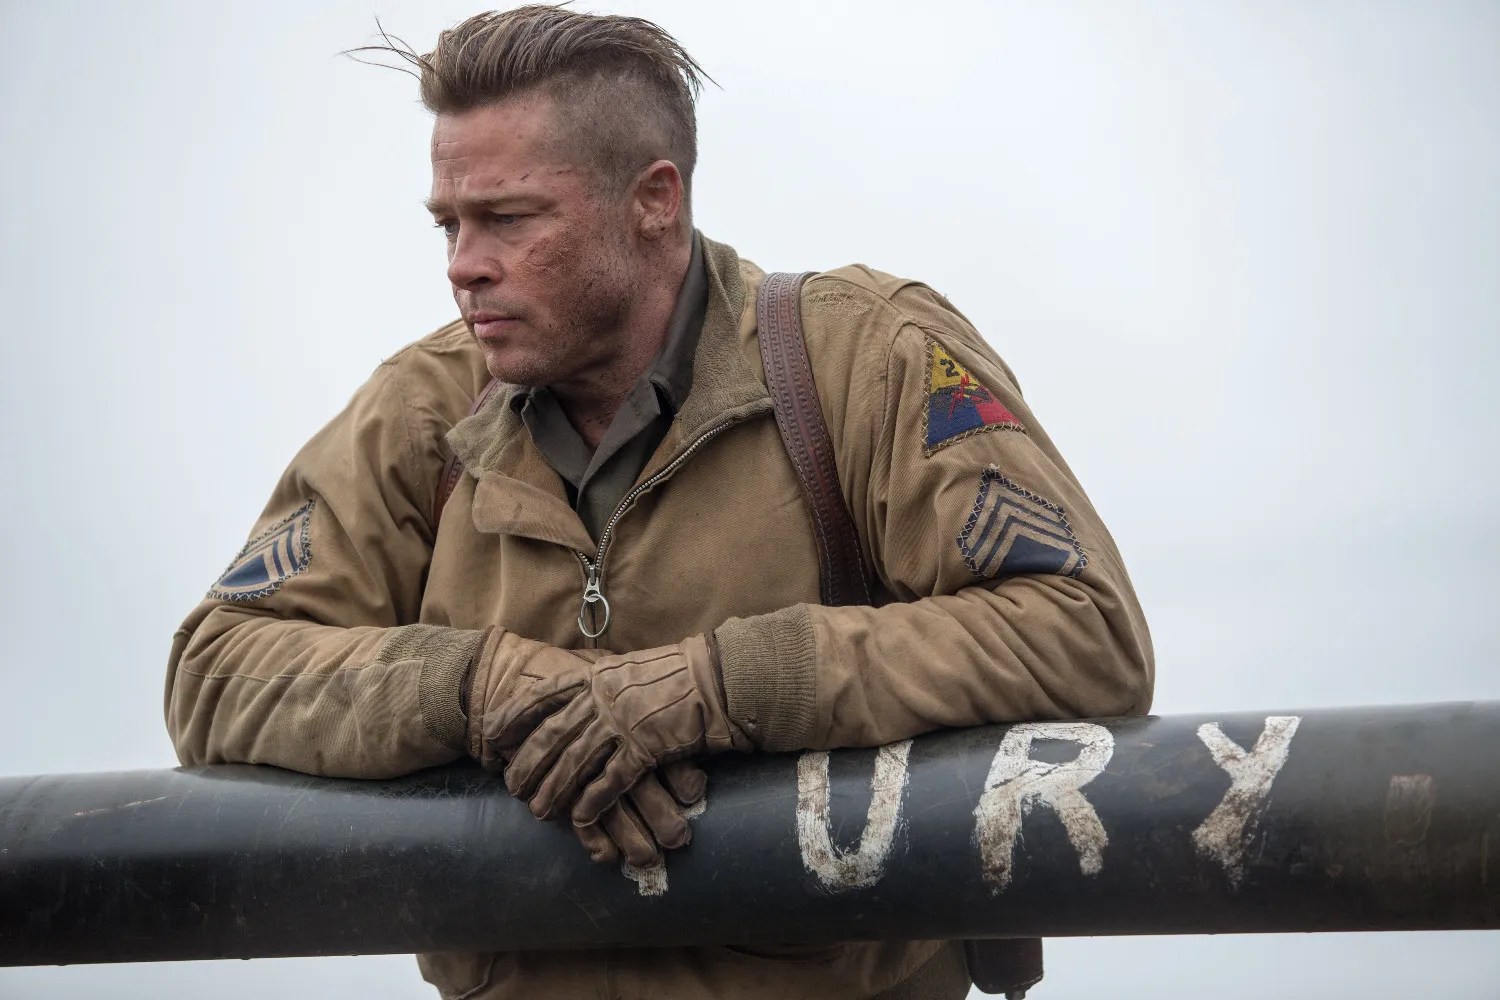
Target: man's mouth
point(489, 325)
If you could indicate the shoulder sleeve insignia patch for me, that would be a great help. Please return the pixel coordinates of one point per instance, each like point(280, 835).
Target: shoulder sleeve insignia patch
point(1011, 530)
point(269, 560)
point(958, 405)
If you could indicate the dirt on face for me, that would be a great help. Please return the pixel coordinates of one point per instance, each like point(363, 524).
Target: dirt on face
point(542, 262)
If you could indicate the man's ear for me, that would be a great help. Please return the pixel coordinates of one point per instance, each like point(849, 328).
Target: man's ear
point(657, 197)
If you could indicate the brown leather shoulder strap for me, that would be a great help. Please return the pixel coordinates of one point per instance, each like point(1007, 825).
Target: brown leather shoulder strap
point(789, 376)
point(453, 468)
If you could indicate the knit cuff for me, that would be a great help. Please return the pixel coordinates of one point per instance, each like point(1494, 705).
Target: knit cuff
point(768, 663)
point(445, 655)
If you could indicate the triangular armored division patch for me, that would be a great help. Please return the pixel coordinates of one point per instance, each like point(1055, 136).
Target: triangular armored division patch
point(958, 404)
point(269, 560)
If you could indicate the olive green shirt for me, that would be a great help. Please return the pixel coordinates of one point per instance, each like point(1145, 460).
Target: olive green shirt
point(598, 480)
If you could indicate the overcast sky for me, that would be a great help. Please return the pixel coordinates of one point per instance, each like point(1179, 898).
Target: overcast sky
point(1244, 258)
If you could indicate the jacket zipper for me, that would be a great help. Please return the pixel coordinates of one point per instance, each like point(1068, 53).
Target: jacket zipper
point(593, 570)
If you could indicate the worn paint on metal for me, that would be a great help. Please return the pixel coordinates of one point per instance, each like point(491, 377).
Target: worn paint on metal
point(1225, 835)
point(834, 867)
point(1409, 799)
point(650, 880)
point(121, 807)
point(1017, 784)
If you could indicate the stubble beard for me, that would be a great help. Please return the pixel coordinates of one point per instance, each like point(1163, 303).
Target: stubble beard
point(585, 335)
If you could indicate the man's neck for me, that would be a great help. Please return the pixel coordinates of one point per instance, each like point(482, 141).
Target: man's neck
point(591, 406)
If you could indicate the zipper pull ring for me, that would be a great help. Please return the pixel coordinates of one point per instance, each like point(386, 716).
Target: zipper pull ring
point(594, 605)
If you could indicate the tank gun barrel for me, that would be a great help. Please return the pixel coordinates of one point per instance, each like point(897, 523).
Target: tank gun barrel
point(1322, 820)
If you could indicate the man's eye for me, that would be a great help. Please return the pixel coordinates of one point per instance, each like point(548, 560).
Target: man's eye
point(505, 220)
point(450, 229)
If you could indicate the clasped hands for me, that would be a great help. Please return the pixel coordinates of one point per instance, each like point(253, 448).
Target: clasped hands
point(607, 740)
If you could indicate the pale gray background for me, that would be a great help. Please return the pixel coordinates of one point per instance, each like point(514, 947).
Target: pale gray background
point(1243, 257)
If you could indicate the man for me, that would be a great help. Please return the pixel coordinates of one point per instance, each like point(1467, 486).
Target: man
point(626, 577)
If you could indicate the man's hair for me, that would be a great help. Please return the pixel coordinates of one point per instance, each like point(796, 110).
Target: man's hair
point(623, 88)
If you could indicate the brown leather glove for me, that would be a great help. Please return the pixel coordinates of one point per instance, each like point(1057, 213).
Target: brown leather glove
point(649, 818)
point(582, 745)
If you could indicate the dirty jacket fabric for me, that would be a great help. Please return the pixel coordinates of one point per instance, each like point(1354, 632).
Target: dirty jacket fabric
point(337, 641)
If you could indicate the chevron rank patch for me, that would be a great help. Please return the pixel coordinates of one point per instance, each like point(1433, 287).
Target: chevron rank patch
point(1012, 530)
point(957, 404)
point(272, 557)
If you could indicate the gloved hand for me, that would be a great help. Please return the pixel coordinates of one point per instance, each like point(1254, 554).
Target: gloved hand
point(580, 743)
point(649, 818)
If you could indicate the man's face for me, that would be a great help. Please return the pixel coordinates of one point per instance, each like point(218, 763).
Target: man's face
point(541, 262)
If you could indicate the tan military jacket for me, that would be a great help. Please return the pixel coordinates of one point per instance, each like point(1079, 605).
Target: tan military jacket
point(337, 641)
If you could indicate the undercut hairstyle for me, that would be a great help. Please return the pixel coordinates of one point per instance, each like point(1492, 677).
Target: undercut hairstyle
point(623, 88)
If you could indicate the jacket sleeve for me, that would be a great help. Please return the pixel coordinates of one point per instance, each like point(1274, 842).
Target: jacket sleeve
point(304, 653)
point(1007, 598)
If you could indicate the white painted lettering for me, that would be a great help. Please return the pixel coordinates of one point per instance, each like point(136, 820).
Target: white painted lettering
point(1017, 784)
point(835, 868)
point(650, 880)
point(1225, 835)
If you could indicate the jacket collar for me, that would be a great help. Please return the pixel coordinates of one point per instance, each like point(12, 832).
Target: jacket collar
point(727, 384)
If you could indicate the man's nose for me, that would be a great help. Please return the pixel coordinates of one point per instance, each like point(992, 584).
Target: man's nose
point(470, 265)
